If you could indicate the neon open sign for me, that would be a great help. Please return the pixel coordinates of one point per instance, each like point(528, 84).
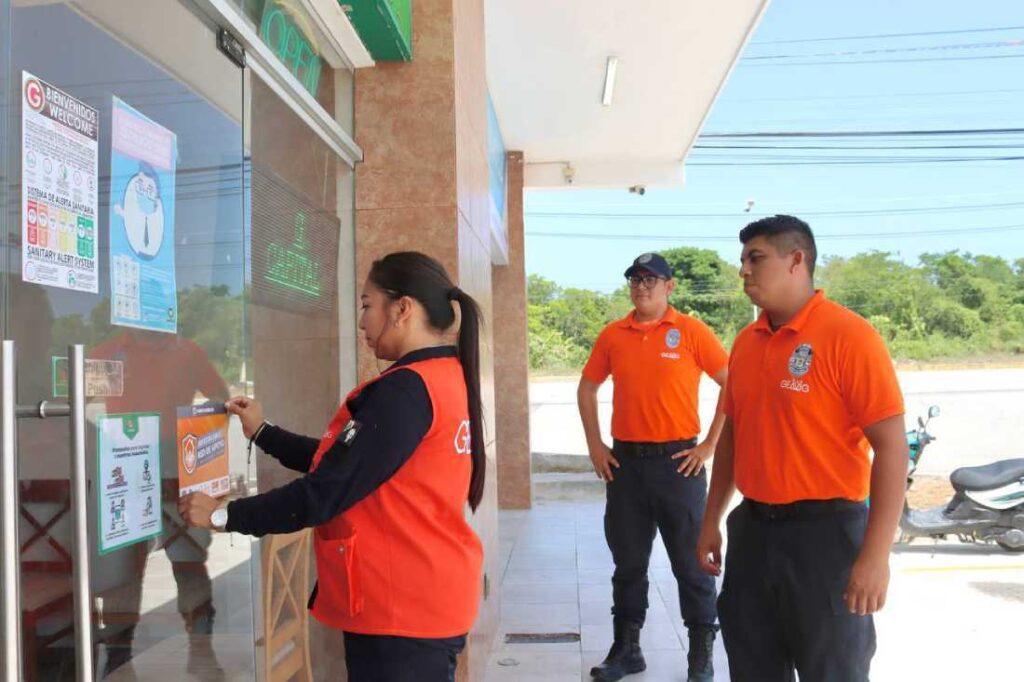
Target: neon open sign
point(291, 45)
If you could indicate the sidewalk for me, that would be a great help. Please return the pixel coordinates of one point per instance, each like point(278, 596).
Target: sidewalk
point(557, 579)
point(952, 598)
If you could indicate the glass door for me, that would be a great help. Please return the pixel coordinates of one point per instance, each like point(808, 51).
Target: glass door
point(127, 234)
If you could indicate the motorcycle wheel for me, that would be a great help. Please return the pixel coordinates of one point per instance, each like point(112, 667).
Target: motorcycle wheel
point(1010, 548)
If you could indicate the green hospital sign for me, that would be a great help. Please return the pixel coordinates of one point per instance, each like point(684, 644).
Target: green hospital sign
point(291, 45)
point(291, 266)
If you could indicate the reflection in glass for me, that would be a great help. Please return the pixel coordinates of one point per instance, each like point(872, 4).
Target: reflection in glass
point(179, 605)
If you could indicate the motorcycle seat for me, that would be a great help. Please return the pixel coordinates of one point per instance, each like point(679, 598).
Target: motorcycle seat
point(987, 477)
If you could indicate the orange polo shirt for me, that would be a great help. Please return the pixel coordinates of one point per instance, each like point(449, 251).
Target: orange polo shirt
point(800, 399)
point(656, 371)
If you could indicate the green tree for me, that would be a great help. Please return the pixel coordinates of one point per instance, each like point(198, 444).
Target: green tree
point(951, 305)
point(579, 315)
point(876, 284)
point(548, 349)
point(710, 289)
point(994, 269)
point(213, 318)
point(540, 290)
point(67, 330)
point(951, 319)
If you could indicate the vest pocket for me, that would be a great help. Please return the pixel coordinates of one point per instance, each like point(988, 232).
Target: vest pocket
point(337, 565)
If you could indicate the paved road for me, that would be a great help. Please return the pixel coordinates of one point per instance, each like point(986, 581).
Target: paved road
point(953, 614)
point(982, 415)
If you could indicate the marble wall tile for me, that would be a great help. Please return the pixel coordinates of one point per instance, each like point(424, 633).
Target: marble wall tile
point(405, 119)
point(475, 279)
point(423, 186)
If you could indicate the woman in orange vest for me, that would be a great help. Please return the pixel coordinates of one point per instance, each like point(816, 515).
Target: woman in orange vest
point(386, 485)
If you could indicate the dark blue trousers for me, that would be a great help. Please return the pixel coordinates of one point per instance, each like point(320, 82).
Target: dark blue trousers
point(781, 606)
point(381, 658)
point(648, 495)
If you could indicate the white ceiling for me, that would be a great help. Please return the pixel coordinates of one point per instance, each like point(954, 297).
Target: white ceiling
point(546, 70)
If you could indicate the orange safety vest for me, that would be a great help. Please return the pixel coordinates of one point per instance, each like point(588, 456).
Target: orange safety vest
point(404, 561)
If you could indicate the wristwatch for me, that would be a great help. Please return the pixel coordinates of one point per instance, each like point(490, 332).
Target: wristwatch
point(219, 518)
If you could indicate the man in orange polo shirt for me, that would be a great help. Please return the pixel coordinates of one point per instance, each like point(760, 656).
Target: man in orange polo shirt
point(811, 392)
point(655, 468)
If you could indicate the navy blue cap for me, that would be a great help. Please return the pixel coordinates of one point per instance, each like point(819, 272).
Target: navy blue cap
point(651, 262)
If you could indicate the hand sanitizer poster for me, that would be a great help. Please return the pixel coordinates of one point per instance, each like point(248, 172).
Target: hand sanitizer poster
point(143, 158)
point(127, 479)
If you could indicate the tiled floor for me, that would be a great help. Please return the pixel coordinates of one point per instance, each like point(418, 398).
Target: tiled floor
point(557, 578)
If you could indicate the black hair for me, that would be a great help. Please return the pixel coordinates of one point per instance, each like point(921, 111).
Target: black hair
point(418, 276)
point(787, 232)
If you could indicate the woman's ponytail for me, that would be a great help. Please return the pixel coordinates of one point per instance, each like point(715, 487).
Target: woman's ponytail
point(410, 273)
point(469, 356)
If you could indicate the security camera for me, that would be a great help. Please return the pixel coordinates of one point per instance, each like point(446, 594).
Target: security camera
point(638, 189)
point(568, 173)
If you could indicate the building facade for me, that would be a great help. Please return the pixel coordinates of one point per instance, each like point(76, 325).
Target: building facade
point(194, 190)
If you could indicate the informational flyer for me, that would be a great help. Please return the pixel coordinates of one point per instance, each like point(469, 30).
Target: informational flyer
point(203, 450)
point(143, 158)
point(128, 479)
point(59, 162)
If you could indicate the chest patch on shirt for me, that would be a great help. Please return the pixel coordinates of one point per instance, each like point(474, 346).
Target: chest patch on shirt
point(672, 338)
point(349, 433)
point(800, 360)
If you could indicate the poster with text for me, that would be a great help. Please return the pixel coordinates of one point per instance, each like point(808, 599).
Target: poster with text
point(59, 157)
point(143, 158)
point(203, 450)
point(128, 479)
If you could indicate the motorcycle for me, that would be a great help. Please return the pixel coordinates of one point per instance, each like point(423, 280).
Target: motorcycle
point(987, 505)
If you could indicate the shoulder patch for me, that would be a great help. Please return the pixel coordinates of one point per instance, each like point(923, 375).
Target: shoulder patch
point(349, 433)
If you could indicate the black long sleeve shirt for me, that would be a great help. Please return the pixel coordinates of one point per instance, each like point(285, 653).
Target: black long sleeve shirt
point(394, 414)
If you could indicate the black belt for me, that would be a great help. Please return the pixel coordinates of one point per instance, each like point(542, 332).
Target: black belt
point(801, 508)
point(641, 450)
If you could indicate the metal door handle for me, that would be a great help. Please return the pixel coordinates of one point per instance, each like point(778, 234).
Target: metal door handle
point(9, 547)
point(80, 519)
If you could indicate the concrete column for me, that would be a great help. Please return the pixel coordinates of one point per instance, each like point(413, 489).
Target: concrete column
point(511, 368)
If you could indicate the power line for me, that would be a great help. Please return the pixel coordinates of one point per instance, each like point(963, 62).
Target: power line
point(875, 36)
point(733, 215)
point(837, 147)
point(892, 50)
point(869, 133)
point(885, 61)
point(861, 162)
point(894, 95)
point(719, 238)
point(813, 202)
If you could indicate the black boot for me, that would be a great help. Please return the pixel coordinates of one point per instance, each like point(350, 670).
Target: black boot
point(202, 658)
point(119, 649)
point(625, 657)
point(701, 655)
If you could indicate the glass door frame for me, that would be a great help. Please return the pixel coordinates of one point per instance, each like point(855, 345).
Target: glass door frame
point(12, 663)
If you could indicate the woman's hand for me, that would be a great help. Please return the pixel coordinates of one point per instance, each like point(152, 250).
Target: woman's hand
point(249, 411)
point(196, 509)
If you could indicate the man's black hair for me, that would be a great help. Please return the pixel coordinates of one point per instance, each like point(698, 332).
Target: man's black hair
point(786, 233)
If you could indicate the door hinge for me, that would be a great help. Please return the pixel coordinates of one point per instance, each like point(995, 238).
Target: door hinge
point(231, 46)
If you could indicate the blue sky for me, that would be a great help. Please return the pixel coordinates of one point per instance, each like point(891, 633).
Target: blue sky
point(953, 73)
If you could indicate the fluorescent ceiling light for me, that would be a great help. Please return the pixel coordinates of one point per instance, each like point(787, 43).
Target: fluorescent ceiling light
point(609, 80)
